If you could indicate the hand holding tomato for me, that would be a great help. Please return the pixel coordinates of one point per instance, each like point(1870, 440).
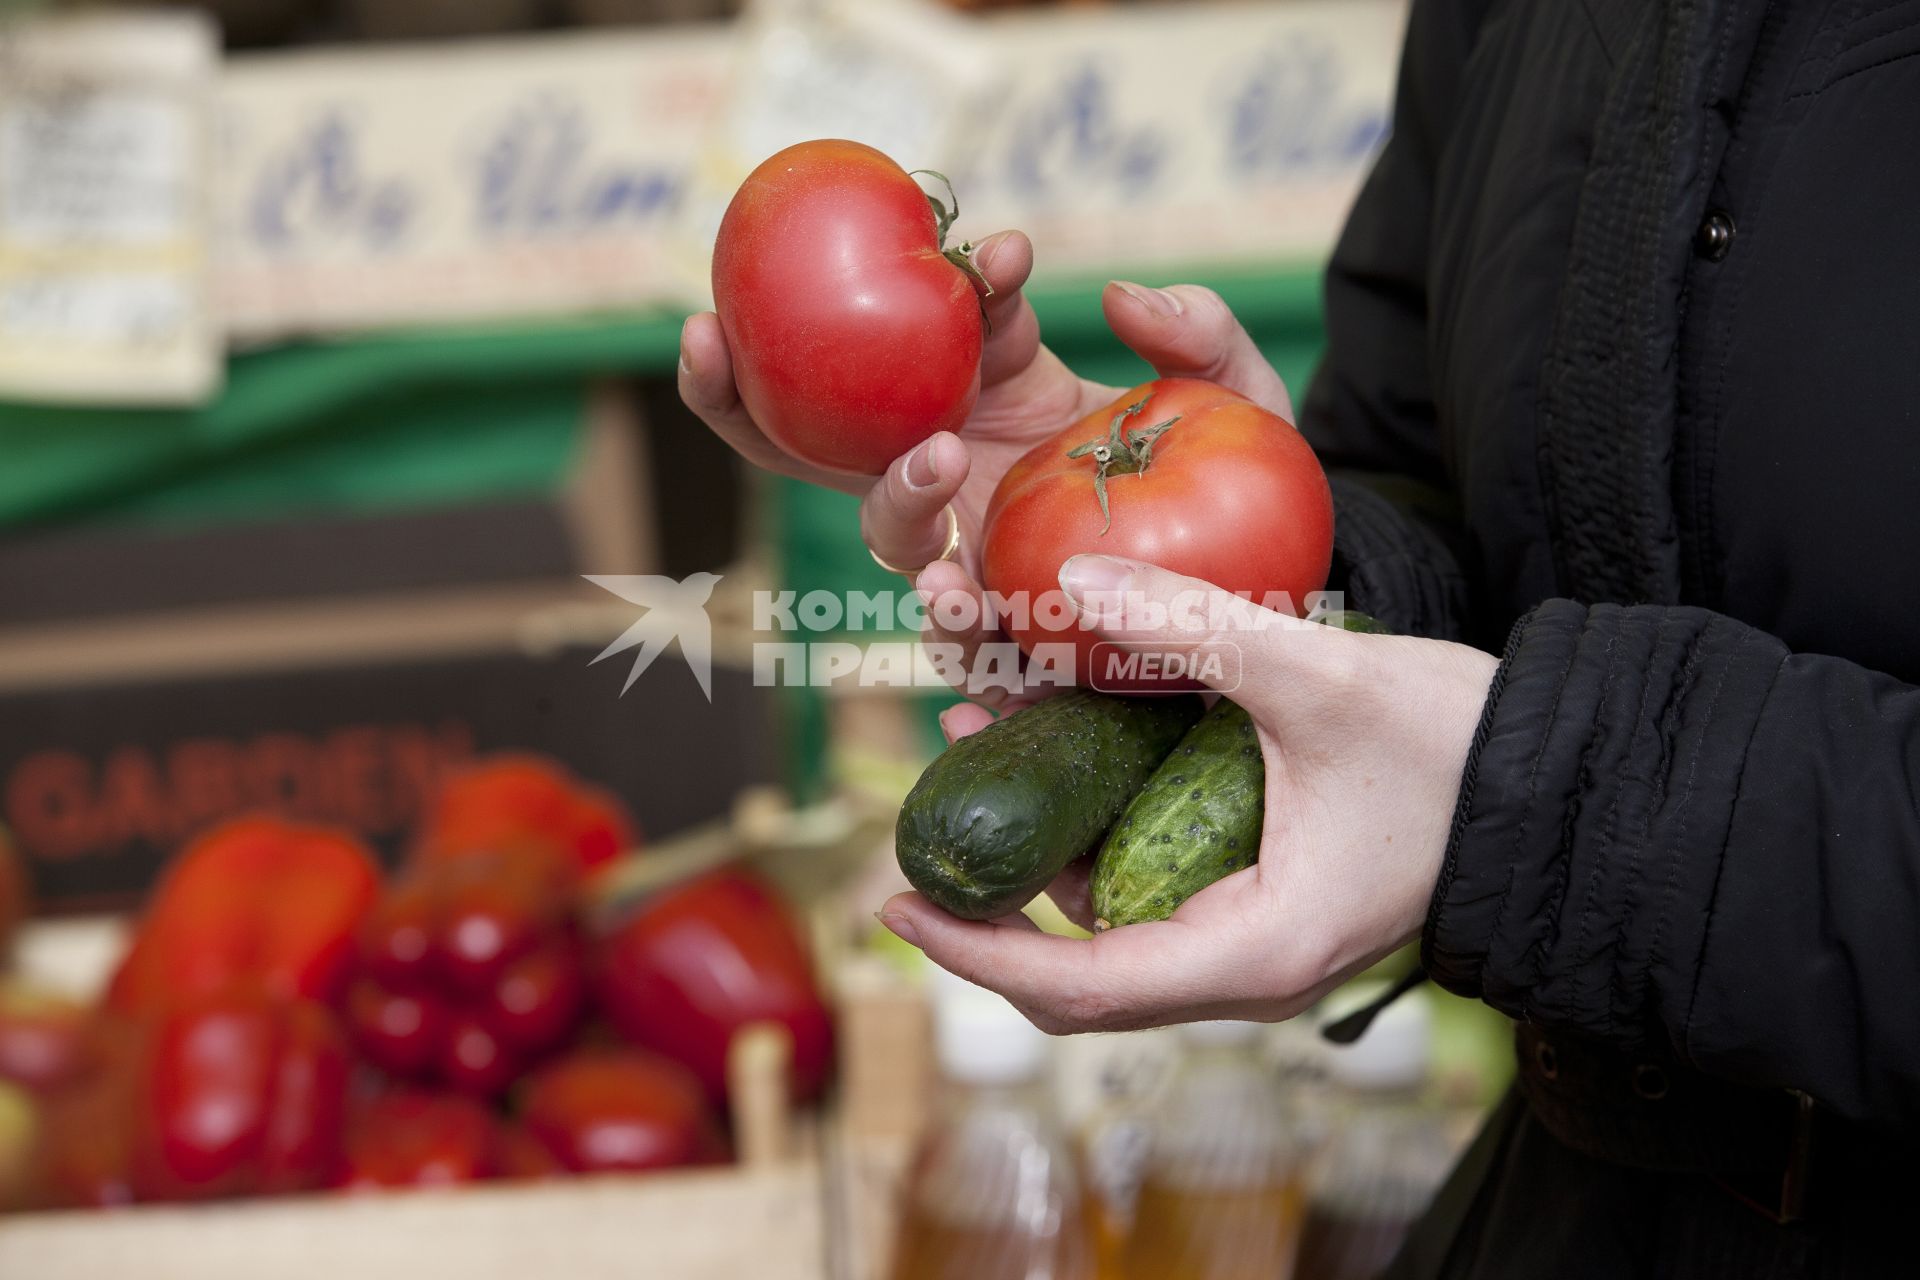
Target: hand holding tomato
point(1026, 396)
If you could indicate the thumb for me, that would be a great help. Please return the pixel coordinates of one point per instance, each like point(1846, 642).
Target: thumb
point(1187, 331)
point(1225, 641)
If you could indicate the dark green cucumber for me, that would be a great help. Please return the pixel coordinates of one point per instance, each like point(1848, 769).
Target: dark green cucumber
point(1196, 821)
point(999, 813)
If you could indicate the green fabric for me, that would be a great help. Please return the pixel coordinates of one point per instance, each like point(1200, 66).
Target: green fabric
point(442, 416)
point(400, 419)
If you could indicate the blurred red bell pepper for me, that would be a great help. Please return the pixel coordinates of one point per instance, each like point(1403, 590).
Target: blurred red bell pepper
point(256, 900)
point(606, 1109)
point(510, 802)
point(415, 1139)
point(239, 1093)
point(696, 963)
point(470, 970)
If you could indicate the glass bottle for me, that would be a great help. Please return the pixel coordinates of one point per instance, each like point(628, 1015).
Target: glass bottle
point(993, 1192)
point(1389, 1146)
point(1221, 1198)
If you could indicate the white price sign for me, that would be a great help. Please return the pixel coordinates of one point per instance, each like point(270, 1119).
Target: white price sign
point(104, 294)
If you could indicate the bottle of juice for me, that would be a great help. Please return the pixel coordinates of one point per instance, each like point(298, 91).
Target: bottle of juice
point(1388, 1147)
point(993, 1192)
point(1221, 1198)
point(1117, 1081)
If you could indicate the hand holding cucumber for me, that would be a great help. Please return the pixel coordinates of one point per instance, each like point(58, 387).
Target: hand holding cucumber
point(1362, 739)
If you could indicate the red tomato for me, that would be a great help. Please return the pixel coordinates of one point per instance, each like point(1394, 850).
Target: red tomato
point(472, 968)
point(854, 335)
point(46, 1040)
point(698, 962)
point(520, 1155)
point(87, 1122)
point(605, 1109)
point(13, 892)
point(1226, 492)
point(414, 1139)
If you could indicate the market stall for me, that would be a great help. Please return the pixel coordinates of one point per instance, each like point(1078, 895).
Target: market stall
point(383, 871)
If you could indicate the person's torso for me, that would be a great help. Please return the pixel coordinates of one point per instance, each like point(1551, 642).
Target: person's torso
point(1701, 322)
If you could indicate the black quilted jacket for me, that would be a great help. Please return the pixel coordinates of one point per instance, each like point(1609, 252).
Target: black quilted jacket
point(1624, 376)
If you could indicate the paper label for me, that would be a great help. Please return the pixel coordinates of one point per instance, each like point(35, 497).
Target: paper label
point(492, 179)
point(564, 175)
point(103, 151)
point(1184, 135)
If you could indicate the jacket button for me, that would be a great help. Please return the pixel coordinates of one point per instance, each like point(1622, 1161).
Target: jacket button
point(1547, 1060)
point(1715, 236)
point(1650, 1082)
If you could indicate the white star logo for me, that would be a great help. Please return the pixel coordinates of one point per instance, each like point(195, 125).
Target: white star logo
point(674, 611)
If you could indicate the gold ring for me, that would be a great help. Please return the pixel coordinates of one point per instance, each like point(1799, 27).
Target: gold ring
point(946, 552)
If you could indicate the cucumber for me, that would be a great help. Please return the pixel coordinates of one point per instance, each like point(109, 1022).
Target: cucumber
point(998, 814)
point(1196, 821)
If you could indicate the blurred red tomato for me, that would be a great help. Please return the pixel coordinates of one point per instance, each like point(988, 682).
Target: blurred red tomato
point(698, 962)
point(518, 1154)
point(87, 1122)
point(239, 1093)
point(13, 892)
point(256, 900)
point(600, 1110)
point(46, 1039)
point(415, 1139)
point(471, 969)
point(512, 802)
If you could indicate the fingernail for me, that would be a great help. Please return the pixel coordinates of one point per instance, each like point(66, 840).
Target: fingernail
point(1082, 576)
point(1158, 301)
point(983, 256)
point(921, 470)
point(946, 729)
point(901, 926)
point(686, 365)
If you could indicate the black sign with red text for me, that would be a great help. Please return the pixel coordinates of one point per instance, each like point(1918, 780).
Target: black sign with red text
point(100, 783)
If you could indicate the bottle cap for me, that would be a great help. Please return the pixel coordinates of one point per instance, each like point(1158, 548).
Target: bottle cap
point(1396, 1052)
point(1223, 1034)
point(980, 1038)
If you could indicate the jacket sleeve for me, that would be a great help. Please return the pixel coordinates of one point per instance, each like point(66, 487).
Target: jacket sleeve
point(1369, 412)
point(1672, 828)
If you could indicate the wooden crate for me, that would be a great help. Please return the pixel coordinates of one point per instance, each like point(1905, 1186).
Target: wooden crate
point(811, 1196)
point(711, 1225)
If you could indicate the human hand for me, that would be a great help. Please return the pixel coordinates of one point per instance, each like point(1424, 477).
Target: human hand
point(1026, 395)
point(1364, 738)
